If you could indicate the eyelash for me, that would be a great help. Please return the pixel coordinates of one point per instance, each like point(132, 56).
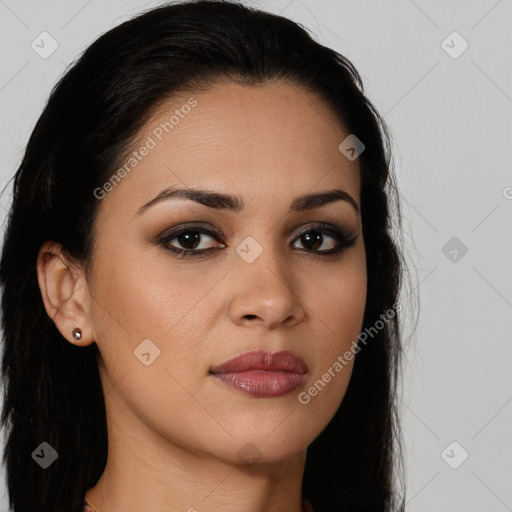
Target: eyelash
point(344, 240)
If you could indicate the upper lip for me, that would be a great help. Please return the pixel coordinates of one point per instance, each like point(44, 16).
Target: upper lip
point(260, 360)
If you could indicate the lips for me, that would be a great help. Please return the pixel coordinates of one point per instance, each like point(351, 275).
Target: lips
point(262, 374)
point(260, 360)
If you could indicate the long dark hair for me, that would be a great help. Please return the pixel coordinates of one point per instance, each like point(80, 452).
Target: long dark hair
point(53, 391)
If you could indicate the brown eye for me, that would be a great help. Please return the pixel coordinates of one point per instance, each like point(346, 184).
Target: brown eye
point(316, 237)
point(190, 241)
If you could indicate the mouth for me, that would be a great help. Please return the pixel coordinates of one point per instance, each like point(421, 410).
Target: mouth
point(262, 374)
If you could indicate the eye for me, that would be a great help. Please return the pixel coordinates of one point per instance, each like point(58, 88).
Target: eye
point(316, 239)
point(192, 241)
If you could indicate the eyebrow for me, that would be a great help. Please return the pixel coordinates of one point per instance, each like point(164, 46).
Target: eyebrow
point(234, 203)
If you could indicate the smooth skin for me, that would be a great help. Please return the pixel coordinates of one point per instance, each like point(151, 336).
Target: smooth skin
point(180, 440)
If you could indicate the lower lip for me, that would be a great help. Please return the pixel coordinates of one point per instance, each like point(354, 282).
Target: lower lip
point(262, 383)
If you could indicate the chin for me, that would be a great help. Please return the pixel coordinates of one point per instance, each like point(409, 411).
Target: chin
point(265, 449)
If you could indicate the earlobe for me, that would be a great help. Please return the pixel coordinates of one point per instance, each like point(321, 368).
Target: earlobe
point(64, 292)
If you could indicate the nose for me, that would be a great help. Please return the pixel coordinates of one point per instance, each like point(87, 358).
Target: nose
point(266, 292)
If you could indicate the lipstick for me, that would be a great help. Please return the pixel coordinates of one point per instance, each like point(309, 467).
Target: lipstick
point(262, 374)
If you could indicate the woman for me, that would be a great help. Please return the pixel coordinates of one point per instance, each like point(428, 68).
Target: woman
point(199, 280)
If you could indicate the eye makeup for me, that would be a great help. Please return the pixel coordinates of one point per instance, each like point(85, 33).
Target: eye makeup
point(189, 236)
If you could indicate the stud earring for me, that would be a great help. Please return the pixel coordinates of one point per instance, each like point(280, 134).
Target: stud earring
point(77, 334)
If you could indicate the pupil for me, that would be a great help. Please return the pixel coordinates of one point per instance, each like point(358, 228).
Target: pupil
point(187, 238)
point(314, 239)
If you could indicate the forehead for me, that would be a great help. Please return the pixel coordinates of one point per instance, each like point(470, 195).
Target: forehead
point(271, 142)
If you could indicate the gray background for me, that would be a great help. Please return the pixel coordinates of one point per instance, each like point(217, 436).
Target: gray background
point(451, 123)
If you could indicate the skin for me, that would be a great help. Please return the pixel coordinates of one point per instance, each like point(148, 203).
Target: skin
point(175, 433)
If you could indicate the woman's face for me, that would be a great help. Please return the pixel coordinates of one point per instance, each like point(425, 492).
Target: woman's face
point(251, 280)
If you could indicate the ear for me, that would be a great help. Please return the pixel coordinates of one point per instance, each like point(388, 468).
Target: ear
point(65, 292)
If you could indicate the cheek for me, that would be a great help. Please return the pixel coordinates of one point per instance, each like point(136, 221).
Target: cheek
point(140, 303)
point(343, 311)
point(336, 301)
point(336, 306)
point(141, 295)
point(144, 292)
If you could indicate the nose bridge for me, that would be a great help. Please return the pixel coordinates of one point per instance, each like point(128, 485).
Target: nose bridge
point(262, 254)
point(265, 287)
